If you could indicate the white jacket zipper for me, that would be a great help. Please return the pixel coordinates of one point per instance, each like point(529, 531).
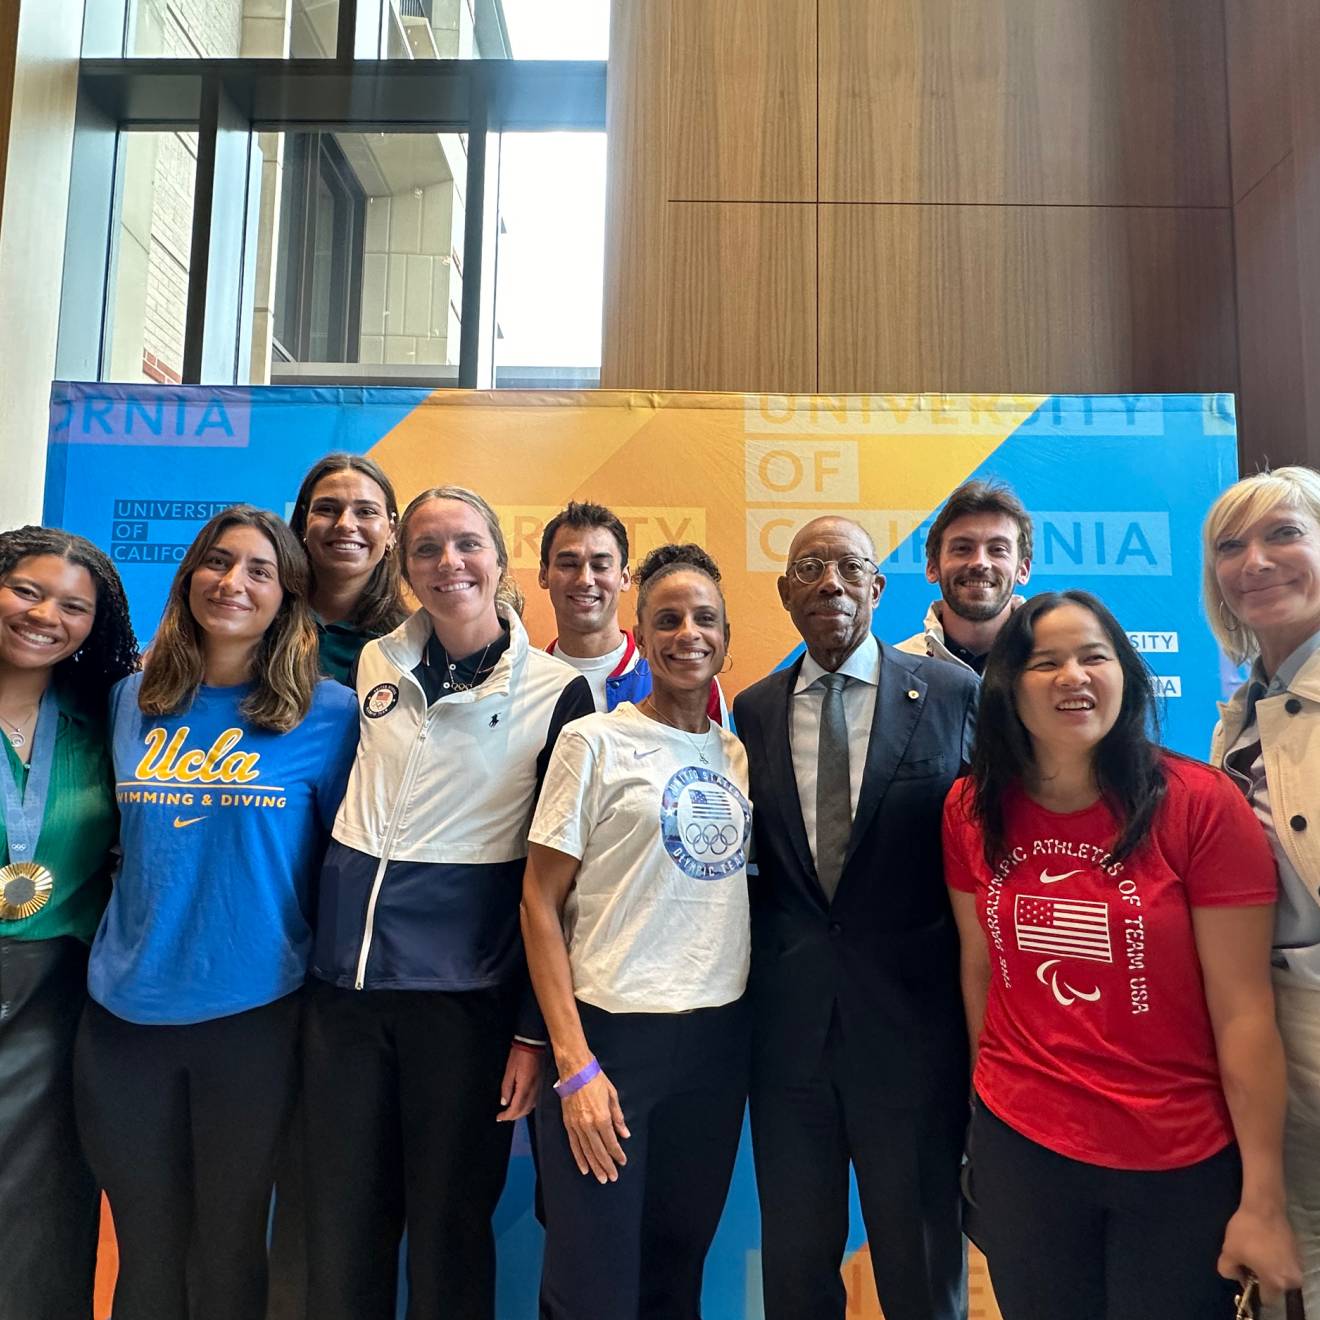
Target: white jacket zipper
point(405, 791)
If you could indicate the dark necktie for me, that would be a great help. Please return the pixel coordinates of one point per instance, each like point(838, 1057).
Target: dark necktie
point(833, 789)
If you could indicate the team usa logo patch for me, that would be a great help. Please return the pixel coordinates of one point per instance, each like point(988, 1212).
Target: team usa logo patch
point(705, 824)
point(380, 700)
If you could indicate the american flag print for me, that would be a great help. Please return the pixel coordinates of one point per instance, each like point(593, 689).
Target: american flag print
point(1064, 927)
point(708, 806)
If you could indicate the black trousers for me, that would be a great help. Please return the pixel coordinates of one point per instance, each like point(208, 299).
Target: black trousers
point(401, 1090)
point(181, 1125)
point(287, 1299)
point(635, 1249)
point(907, 1163)
point(48, 1197)
point(1073, 1241)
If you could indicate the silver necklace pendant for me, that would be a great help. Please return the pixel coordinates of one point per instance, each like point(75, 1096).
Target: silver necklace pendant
point(16, 738)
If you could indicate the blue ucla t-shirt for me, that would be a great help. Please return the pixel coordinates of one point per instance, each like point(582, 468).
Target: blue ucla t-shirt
point(222, 827)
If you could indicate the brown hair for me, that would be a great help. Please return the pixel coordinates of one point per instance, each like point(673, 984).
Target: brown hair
point(381, 607)
point(284, 669)
point(977, 496)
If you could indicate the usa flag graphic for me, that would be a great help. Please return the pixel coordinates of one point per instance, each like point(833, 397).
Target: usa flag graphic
point(1065, 927)
point(708, 806)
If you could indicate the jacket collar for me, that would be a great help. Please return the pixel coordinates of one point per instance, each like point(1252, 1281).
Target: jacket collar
point(1305, 683)
point(403, 649)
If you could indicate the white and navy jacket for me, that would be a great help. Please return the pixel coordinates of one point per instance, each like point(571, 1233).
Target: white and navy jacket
point(422, 880)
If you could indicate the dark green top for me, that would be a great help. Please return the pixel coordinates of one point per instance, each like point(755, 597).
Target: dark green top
point(341, 644)
point(77, 831)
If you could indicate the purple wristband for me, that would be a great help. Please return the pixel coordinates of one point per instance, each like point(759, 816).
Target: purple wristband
point(578, 1080)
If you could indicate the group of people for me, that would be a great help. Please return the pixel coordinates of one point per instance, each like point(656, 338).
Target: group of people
point(386, 879)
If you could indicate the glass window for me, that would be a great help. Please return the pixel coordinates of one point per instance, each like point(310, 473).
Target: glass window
point(558, 29)
point(322, 215)
point(551, 258)
point(494, 29)
point(396, 29)
point(359, 270)
point(230, 29)
point(148, 296)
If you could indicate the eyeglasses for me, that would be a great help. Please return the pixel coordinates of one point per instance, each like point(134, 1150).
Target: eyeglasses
point(851, 569)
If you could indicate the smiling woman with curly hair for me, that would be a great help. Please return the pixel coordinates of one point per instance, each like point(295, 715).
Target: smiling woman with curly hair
point(65, 637)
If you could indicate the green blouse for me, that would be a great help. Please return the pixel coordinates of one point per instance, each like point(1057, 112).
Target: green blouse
point(340, 646)
point(77, 832)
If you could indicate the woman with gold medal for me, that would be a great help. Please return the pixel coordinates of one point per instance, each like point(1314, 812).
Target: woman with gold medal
point(65, 639)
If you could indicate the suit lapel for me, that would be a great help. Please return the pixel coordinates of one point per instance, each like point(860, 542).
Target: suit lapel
point(779, 753)
point(899, 697)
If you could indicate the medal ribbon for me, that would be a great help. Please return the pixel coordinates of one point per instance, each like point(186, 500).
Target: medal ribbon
point(25, 809)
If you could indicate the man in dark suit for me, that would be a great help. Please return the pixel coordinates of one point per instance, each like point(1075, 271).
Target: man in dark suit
point(860, 1044)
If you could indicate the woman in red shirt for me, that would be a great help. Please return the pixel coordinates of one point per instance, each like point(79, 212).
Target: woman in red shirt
point(1115, 906)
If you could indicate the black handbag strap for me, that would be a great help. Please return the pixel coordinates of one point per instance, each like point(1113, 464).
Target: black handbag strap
point(1296, 1308)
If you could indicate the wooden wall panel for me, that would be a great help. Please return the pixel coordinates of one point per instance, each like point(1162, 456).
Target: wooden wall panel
point(1089, 102)
point(8, 54)
point(1032, 299)
point(881, 308)
point(636, 286)
point(741, 309)
point(742, 100)
point(1259, 88)
point(1273, 388)
point(1274, 83)
point(1304, 34)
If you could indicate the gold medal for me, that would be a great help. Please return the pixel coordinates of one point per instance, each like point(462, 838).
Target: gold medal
point(24, 889)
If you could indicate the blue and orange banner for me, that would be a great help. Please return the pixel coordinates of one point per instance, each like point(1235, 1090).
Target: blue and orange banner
point(139, 469)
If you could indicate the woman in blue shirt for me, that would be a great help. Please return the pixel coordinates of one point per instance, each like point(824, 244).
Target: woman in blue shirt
point(230, 757)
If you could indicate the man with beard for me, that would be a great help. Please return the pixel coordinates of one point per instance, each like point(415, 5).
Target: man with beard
point(859, 1040)
point(978, 550)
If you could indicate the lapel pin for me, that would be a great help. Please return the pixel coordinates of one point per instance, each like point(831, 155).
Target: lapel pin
point(913, 694)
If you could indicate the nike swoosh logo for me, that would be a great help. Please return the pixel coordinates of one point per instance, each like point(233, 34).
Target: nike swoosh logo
point(1047, 879)
point(641, 755)
point(179, 822)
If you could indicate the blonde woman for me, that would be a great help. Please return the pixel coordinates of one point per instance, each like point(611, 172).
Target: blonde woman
point(413, 1072)
point(1262, 596)
point(230, 757)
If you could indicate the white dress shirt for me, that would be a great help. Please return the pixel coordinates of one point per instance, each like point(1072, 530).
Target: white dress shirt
point(862, 668)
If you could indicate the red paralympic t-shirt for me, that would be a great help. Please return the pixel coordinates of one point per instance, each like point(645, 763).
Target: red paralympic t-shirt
point(1097, 1041)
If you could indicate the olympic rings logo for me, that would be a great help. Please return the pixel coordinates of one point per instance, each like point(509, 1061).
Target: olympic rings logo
point(709, 838)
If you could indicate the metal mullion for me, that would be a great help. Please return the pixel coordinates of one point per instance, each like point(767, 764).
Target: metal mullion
point(366, 96)
point(474, 233)
point(215, 261)
point(359, 33)
point(90, 247)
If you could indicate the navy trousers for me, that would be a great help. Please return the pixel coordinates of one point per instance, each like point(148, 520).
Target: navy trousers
point(635, 1249)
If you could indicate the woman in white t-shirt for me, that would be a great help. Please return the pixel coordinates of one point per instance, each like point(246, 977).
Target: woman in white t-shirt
point(636, 925)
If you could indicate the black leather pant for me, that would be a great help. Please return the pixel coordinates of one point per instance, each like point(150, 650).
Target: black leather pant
point(48, 1199)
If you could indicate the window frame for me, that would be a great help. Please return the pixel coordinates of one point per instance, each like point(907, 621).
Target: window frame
point(226, 102)
point(318, 157)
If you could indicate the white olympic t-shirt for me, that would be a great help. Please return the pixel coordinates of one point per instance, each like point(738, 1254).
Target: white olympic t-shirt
point(595, 668)
point(657, 920)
